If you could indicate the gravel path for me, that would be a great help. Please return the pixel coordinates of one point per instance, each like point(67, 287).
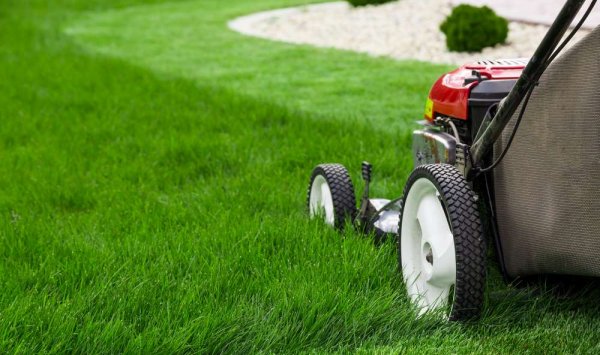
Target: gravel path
point(406, 29)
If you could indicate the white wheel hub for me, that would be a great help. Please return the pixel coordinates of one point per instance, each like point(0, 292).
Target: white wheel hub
point(321, 201)
point(427, 248)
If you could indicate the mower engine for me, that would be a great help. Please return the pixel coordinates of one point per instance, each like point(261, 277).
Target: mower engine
point(457, 105)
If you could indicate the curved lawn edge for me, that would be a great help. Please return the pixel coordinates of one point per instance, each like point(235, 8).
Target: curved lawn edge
point(246, 24)
point(193, 42)
point(402, 30)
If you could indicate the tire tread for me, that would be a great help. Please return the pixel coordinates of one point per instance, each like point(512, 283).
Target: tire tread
point(342, 192)
point(461, 207)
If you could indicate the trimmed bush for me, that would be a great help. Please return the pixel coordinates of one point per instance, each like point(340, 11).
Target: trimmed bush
point(471, 28)
point(367, 2)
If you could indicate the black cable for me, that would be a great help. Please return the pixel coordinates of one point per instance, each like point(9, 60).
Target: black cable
point(573, 32)
point(512, 135)
point(530, 91)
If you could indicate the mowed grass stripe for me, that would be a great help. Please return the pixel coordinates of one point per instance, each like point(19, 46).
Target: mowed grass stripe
point(191, 40)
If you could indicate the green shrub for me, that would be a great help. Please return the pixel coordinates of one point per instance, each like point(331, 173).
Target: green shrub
point(367, 2)
point(470, 29)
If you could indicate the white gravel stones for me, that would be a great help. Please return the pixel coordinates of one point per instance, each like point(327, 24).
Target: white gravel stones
point(405, 29)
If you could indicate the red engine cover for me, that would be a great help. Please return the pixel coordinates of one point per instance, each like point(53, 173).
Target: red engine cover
point(450, 94)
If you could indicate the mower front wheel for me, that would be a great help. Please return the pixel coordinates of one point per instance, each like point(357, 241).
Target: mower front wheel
point(331, 195)
point(441, 249)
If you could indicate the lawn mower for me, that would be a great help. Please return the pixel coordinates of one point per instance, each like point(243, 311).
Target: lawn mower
point(508, 156)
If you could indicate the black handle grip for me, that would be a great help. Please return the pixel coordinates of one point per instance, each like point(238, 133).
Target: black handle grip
point(367, 168)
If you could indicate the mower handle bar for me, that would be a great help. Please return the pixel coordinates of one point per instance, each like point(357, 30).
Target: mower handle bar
point(490, 131)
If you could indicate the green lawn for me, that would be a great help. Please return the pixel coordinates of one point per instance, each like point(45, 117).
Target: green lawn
point(153, 171)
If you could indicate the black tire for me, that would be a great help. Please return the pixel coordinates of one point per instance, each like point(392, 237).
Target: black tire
point(460, 207)
point(342, 193)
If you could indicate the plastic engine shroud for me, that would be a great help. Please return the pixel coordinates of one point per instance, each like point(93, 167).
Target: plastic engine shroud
point(450, 94)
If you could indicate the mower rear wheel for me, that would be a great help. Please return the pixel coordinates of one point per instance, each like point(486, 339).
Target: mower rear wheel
point(441, 249)
point(331, 195)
